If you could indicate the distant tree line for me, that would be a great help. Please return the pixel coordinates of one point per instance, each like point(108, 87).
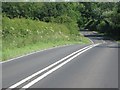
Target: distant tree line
point(103, 17)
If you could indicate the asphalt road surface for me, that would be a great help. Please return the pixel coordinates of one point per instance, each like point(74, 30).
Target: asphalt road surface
point(71, 66)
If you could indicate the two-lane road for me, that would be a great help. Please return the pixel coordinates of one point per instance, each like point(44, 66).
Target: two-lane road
point(82, 66)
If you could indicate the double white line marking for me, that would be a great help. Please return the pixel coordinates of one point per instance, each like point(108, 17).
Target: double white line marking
point(62, 62)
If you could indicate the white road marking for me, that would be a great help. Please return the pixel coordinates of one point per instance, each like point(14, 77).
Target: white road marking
point(95, 32)
point(103, 41)
point(91, 40)
point(55, 68)
point(33, 75)
point(33, 53)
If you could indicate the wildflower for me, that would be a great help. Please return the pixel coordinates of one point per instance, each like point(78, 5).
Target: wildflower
point(12, 28)
point(52, 30)
point(66, 36)
point(60, 32)
point(27, 30)
point(37, 32)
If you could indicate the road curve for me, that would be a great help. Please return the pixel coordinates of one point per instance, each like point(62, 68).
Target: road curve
point(96, 67)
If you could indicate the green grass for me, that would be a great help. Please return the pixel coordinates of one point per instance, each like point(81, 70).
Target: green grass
point(32, 48)
point(22, 36)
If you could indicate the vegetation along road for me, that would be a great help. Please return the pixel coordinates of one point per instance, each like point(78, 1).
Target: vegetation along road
point(72, 66)
point(60, 45)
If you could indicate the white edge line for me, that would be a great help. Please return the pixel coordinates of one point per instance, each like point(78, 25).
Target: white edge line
point(57, 67)
point(91, 41)
point(34, 53)
point(95, 32)
point(29, 77)
point(88, 38)
point(103, 41)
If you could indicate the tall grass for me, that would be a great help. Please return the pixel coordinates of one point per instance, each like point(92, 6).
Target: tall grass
point(22, 36)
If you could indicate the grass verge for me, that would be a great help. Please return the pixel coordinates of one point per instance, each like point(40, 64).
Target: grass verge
point(12, 53)
point(23, 36)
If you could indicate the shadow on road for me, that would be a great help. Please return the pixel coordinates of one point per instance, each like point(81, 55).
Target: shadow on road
point(108, 46)
point(96, 36)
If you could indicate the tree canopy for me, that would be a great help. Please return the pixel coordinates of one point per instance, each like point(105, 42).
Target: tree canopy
point(103, 17)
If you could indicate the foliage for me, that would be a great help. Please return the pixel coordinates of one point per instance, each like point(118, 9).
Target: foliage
point(20, 33)
point(103, 17)
point(29, 23)
point(111, 20)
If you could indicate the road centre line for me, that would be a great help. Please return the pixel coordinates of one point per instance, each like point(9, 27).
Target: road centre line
point(50, 66)
point(33, 53)
point(57, 67)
